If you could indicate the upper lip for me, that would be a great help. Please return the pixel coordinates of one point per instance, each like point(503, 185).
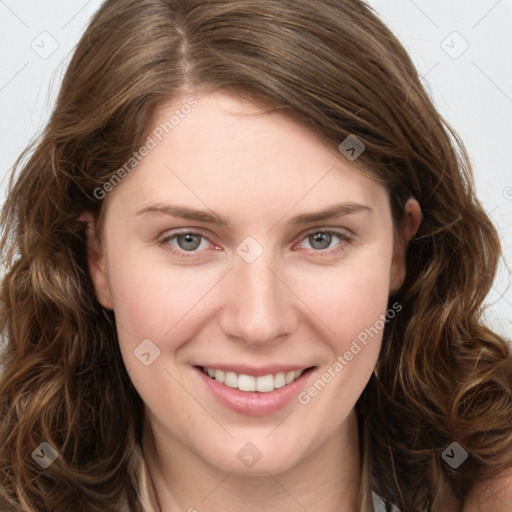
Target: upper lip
point(256, 371)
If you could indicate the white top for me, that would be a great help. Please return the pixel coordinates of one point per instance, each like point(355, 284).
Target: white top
point(379, 506)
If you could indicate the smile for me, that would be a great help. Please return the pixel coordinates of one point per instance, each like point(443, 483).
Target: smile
point(243, 382)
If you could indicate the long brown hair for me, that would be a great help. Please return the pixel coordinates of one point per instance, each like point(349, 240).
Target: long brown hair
point(442, 376)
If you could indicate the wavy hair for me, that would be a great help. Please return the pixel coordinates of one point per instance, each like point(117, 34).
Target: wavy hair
point(442, 375)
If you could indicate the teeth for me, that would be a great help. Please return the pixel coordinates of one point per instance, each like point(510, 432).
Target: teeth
point(263, 384)
point(231, 379)
point(247, 383)
point(279, 380)
point(290, 376)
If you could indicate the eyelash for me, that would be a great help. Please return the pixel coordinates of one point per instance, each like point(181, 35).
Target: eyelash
point(344, 239)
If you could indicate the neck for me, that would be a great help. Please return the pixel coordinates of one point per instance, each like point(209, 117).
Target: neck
point(327, 480)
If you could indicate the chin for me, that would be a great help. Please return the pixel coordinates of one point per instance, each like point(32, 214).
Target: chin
point(261, 468)
point(253, 459)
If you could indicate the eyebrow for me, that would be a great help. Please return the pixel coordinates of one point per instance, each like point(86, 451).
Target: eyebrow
point(330, 212)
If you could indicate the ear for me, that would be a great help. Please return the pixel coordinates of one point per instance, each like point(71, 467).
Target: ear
point(96, 262)
point(410, 226)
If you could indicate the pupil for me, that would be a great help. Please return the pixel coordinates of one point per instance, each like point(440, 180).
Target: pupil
point(189, 241)
point(321, 240)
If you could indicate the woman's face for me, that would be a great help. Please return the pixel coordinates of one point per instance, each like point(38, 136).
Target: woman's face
point(243, 244)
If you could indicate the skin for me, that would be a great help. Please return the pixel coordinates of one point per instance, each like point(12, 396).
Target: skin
point(295, 304)
point(495, 495)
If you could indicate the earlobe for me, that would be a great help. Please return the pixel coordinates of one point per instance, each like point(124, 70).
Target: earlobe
point(410, 226)
point(96, 262)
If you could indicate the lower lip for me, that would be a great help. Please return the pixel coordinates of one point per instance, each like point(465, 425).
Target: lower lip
point(253, 403)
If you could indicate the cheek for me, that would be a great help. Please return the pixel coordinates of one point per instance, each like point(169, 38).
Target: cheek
point(155, 307)
point(363, 299)
point(353, 306)
point(150, 297)
point(348, 298)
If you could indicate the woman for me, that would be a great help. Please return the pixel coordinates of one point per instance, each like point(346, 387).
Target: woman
point(245, 268)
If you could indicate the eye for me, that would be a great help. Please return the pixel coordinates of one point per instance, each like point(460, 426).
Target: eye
point(189, 241)
point(325, 241)
point(184, 241)
point(320, 240)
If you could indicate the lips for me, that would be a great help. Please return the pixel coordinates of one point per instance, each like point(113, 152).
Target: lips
point(254, 402)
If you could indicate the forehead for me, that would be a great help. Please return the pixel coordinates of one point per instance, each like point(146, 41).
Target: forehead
point(228, 152)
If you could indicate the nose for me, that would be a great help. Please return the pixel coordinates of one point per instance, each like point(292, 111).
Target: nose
point(258, 307)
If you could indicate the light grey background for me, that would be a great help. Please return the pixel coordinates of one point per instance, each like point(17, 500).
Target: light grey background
point(462, 48)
